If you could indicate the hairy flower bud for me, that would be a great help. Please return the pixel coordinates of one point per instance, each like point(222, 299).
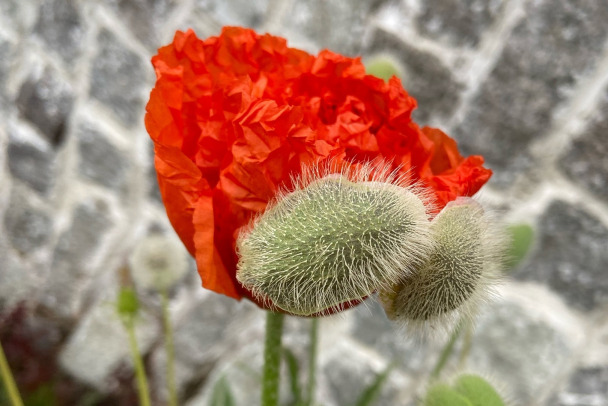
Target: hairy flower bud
point(456, 276)
point(335, 238)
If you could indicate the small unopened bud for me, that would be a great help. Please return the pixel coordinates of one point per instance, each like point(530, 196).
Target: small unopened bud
point(127, 304)
point(158, 262)
point(335, 238)
point(458, 274)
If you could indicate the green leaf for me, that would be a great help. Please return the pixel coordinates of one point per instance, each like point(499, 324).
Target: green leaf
point(443, 395)
point(222, 396)
point(478, 391)
point(293, 368)
point(369, 395)
point(522, 236)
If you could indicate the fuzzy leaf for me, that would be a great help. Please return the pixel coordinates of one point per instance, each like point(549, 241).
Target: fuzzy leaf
point(522, 236)
point(443, 395)
point(478, 391)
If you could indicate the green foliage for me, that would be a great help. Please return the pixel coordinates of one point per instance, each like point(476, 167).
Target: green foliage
point(371, 393)
point(293, 367)
point(478, 391)
point(443, 395)
point(522, 236)
point(222, 395)
point(468, 390)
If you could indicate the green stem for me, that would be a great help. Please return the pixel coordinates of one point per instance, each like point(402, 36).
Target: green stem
point(447, 351)
point(169, 349)
point(9, 381)
point(466, 344)
point(140, 373)
point(312, 361)
point(272, 359)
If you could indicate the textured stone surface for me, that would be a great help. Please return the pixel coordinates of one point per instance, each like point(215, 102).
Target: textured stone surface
point(372, 328)
point(7, 48)
point(570, 256)
point(30, 160)
point(587, 386)
point(335, 25)
point(45, 99)
point(237, 12)
point(17, 280)
point(557, 42)
point(61, 28)
point(459, 22)
point(71, 266)
point(117, 76)
point(100, 161)
point(586, 161)
point(347, 372)
point(100, 344)
point(519, 350)
point(28, 227)
point(144, 17)
point(426, 78)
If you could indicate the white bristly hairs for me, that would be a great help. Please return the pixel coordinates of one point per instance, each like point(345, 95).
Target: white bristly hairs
point(336, 237)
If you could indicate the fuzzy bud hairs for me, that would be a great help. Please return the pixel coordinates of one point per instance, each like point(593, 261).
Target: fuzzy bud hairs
point(336, 238)
point(457, 276)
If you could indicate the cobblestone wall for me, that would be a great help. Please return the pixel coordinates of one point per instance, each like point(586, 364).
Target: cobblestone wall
point(523, 82)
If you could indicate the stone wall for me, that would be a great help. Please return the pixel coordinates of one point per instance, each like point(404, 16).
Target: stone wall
point(523, 82)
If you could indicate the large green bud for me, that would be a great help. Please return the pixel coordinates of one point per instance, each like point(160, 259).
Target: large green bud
point(458, 274)
point(335, 238)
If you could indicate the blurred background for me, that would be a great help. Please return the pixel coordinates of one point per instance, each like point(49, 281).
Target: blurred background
point(522, 82)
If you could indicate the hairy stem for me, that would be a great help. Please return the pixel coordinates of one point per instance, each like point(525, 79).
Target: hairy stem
point(9, 381)
point(447, 351)
point(169, 349)
point(140, 373)
point(272, 359)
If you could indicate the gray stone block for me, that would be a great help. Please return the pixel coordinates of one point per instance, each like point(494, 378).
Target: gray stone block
point(346, 372)
point(71, 267)
point(99, 160)
point(144, 17)
point(587, 386)
point(8, 50)
point(570, 256)
point(61, 28)
point(556, 43)
point(372, 328)
point(29, 161)
point(17, 280)
point(521, 352)
point(117, 79)
point(586, 161)
point(46, 99)
point(236, 12)
point(426, 78)
point(336, 25)
point(28, 228)
point(458, 22)
point(99, 345)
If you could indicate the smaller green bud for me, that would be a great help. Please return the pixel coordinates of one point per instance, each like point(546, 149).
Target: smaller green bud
point(457, 275)
point(127, 304)
point(479, 391)
point(335, 238)
point(442, 395)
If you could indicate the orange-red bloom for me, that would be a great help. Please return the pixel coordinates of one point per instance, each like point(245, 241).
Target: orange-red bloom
point(232, 117)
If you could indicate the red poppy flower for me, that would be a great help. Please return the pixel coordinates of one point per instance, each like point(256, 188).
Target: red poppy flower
point(233, 117)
